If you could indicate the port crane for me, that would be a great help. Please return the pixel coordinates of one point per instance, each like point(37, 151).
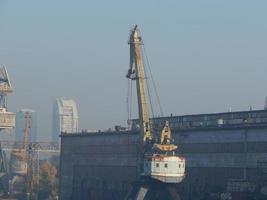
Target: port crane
point(24, 164)
point(160, 166)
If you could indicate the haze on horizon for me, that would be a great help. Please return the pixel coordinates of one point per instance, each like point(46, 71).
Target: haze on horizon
point(206, 56)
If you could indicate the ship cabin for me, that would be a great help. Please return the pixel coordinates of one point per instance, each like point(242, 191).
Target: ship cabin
point(165, 168)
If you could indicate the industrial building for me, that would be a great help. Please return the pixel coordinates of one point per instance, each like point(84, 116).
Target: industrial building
point(65, 117)
point(225, 154)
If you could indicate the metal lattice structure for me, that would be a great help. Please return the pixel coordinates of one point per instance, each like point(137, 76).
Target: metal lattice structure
point(7, 119)
point(42, 147)
point(3, 166)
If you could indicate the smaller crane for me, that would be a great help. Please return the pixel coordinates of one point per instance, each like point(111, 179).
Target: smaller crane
point(23, 162)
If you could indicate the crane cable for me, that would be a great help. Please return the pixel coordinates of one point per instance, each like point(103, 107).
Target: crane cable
point(146, 79)
point(153, 81)
point(129, 102)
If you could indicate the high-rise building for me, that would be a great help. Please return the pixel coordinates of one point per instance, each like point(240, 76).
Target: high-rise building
point(65, 117)
point(20, 125)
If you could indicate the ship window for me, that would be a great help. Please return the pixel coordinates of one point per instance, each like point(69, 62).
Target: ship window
point(166, 165)
point(157, 164)
point(179, 165)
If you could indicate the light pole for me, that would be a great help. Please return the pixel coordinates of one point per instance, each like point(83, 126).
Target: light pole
point(28, 196)
point(9, 187)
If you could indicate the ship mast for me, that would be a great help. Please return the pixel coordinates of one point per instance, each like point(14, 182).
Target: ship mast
point(136, 72)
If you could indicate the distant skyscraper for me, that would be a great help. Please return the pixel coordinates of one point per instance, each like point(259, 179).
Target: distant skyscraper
point(65, 118)
point(265, 106)
point(20, 124)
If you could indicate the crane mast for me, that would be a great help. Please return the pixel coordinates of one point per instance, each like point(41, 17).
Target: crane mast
point(136, 72)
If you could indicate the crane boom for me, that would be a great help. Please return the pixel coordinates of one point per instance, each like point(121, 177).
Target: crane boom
point(136, 72)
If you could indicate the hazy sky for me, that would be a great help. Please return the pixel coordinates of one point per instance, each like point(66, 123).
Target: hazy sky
point(206, 56)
